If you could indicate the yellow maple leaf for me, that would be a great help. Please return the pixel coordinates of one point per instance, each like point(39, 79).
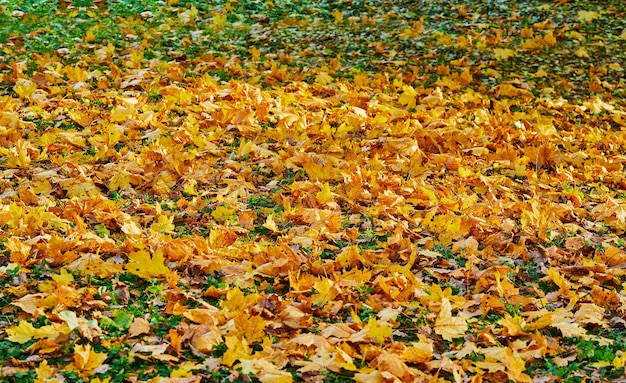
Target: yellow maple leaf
point(21, 333)
point(252, 327)
point(513, 326)
point(221, 212)
point(324, 195)
point(619, 361)
point(547, 40)
point(587, 16)
point(541, 73)
point(558, 279)
point(503, 53)
point(163, 225)
point(325, 291)
point(408, 97)
point(320, 172)
point(378, 332)
point(418, 352)
point(338, 15)
point(119, 180)
point(270, 224)
point(19, 251)
point(582, 52)
point(515, 367)
point(140, 263)
point(323, 78)
point(130, 227)
point(184, 370)
point(255, 53)
point(24, 88)
point(63, 277)
point(87, 360)
point(569, 327)
point(83, 190)
point(219, 19)
point(237, 349)
point(188, 16)
point(25, 331)
point(235, 300)
point(464, 78)
point(44, 373)
point(90, 36)
point(266, 370)
point(446, 325)
point(527, 32)
point(575, 35)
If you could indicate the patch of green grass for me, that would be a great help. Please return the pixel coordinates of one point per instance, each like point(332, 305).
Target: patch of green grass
point(338, 377)
point(261, 201)
point(365, 313)
point(448, 254)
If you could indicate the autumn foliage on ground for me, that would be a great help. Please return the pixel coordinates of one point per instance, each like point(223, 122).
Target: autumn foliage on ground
point(365, 191)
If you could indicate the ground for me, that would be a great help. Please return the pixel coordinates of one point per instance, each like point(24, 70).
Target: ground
point(294, 191)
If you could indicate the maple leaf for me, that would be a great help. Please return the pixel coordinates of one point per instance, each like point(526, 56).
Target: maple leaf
point(293, 317)
point(119, 180)
point(515, 367)
point(325, 291)
point(408, 96)
point(30, 303)
point(587, 16)
point(252, 328)
point(559, 280)
point(503, 53)
point(70, 318)
point(138, 327)
point(19, 251)
point(21, 333)
point(392, 364)
point(142, 264)
point(325, 195)
point(338, 15)
point(464, 78)
point(221, 213)
point(163, 225)
point(446, 325)
point(378, 332)
point(582, 52)
point(562, 320)
point(374, 376)
point(418, 352)
point(130, 227)
point(45, 373)
point(237, 349)
point(90, 36)
point(270, 224)
point(547, 40)
point(86, 360)
point(219, 20)
point(189, 16)
point(513, 326)
point(24, 88)
point(25, 331)
point(323, 78)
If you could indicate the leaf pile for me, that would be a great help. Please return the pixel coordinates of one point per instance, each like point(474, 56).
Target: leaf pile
point(353, 191)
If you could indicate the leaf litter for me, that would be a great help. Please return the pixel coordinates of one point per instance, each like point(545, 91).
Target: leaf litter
point(374, 192)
